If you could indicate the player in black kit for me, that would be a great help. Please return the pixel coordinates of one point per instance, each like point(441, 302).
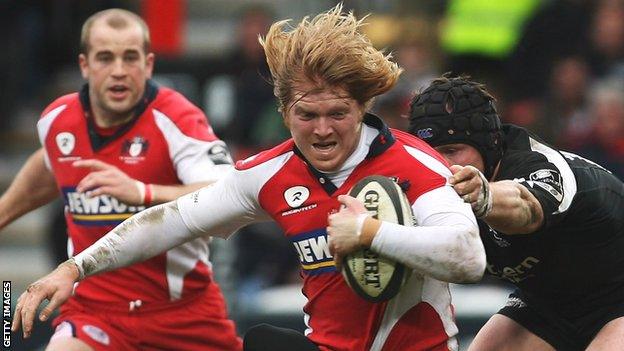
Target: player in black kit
point(552, 223)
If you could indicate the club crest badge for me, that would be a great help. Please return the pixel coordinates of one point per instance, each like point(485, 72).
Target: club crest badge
point(549, 180)
point(134, 150)
point(66, 142)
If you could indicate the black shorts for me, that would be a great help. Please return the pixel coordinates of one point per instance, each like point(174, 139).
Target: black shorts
point(564, 334)
point(264, 337)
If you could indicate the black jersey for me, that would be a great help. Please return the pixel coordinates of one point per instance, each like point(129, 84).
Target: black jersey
point(575, 261)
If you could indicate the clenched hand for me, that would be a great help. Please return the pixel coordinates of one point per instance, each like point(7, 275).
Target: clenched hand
point(345, 228)
point(471, 185)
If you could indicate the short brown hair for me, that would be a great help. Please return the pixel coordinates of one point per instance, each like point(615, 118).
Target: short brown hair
point(115, 18)
point(329, 49)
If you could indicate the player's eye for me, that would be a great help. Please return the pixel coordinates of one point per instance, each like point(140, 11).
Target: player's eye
point(308, 115)
point(447, 151)
point(132, 57)
point(104, 58)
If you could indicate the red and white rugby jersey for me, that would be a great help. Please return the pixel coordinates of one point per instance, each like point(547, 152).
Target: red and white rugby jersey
point(169, 143)
point(278, 184)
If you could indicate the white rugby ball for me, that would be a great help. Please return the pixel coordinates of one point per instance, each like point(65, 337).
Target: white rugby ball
point(372, 276)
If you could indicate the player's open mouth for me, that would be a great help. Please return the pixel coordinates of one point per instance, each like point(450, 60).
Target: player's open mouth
point(118, 91)
point(324, 147)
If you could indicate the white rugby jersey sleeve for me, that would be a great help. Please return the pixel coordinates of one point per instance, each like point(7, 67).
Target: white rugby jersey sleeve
point(232, 202)
point(222, 208)
point(444, 243)
point(195, 160)
point(140, 237)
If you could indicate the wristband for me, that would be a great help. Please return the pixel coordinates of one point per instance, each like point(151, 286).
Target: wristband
point(146, 192)
point(149, 195)
point(141, 187)
point(486, 201)
point(360, 222)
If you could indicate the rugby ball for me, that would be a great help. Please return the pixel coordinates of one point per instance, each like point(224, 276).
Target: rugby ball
point(372, 276)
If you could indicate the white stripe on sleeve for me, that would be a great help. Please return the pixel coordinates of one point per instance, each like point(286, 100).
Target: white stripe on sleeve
point(429, 161)
point(190, 156)
point(43, 127)
point(569, 182)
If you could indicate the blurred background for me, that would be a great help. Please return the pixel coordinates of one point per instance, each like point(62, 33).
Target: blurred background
point(555, 66)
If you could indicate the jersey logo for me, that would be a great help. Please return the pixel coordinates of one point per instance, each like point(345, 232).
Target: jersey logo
point(548, 180)
point(515, 303)
point(65, 142)
point(102, 210)
point(425, 133)
point(219, 154)
point(313, 252)
point(515, 274)
point(133, 151)
point(296, 195)
point(96, 334)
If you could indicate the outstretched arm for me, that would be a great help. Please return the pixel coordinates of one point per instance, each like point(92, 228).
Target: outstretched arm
point(33, 187)
point(217, 210)
point(138, 238)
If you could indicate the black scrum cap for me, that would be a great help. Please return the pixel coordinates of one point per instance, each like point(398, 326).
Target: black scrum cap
point(456, 110)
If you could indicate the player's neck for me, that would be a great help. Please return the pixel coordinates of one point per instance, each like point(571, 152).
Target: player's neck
point(106, 119)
